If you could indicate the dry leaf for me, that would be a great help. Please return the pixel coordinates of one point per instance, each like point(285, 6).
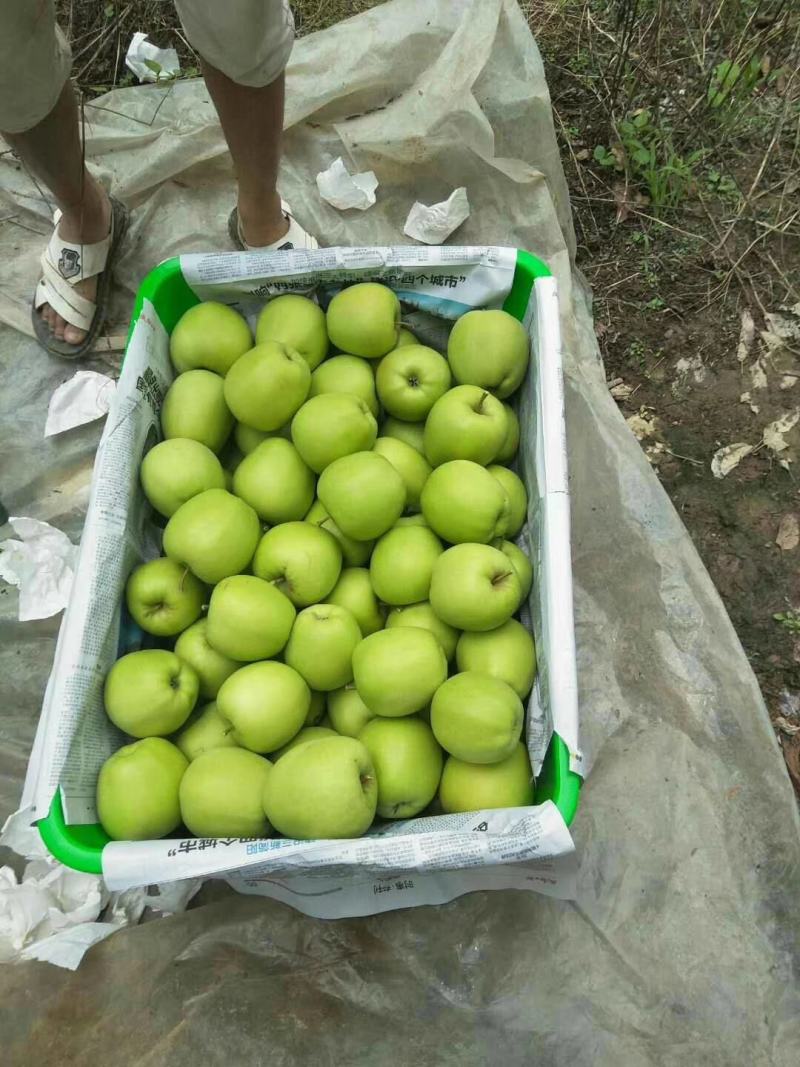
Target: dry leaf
point(774, 434)
point(746, 335)
point(643, 424)
point(728, 458)
point(620, 390)
point(788, 536)
point(758, 376)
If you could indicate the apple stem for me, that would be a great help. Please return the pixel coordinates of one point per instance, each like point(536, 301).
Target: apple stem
point(501, 577)
point(480, 402)
point(183, 579)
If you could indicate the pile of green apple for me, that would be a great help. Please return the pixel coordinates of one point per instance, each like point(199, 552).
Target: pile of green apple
point(335, 602)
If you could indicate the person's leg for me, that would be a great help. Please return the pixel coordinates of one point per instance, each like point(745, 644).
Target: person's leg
point(244, 46)
point(252, 121)
point(51, 150)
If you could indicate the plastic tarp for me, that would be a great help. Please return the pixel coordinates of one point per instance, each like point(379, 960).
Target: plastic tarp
point(682, 943)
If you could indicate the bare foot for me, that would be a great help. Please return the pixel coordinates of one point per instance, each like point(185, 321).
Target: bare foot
point(86, 223)
point(261, 221)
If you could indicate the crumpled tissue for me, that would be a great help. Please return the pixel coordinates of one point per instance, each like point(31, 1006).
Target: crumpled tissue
point(86, 396)
point(49, 900)
point(54, 914)
point(41, 564)
point(433, 224)
point(150, 63)
point(344, 190)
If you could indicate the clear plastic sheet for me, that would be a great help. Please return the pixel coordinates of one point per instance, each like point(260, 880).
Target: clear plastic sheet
point(683, 942)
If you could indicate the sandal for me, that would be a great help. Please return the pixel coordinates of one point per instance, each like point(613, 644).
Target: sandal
point(64, 264)
point(296, 237)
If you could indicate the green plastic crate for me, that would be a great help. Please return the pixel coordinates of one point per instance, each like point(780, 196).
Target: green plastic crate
point(81, 846)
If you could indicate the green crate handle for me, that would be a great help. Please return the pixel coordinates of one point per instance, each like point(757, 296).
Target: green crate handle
point(81, 847)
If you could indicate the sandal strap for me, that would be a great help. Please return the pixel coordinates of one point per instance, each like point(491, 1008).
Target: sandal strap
point(64, 264)
point(63, 298)
point(296, 237)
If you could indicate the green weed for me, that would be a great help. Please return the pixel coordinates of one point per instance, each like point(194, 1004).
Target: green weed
point(649, 155)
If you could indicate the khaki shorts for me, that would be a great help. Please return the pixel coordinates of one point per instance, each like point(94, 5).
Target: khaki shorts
point(248, 40)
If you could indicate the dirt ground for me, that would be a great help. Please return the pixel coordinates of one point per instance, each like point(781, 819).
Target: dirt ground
point(679, 127)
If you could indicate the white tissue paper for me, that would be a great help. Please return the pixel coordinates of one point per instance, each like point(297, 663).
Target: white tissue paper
point(53, 913)
point(41, 564)
point(86, 396)
point(344, 190)
point(150, 63)
point(433, 224)
point(49, 901)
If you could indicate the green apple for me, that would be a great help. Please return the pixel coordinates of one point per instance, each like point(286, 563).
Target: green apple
point(214, 534)
point(411, 520)
point(220, 794)
point(275, 482)
point(507, 653)
point(308, 733)
point(402, 563)
point(354, 591)
point(521, 564)
point(489, 349)
point(411, 465)
point(163, 597)
point(474, 587)
point(364, 319)
point(195, 407)
point(247, 438)
point(321, 644)
point(332, 425)
point(363, 494)
point(423, 616)
point(410, 379)
point(204, 730)
point(408, 764)
point(346, 374)
point(296, 322)
point(300, 559)
point(210, 666)
point(466, 423)
point(173, 471)
point(322, 789)
point(462, 502)
point(477, 718)
point(509, 447)
point(397, 671)
point(483, 786)
point(411, 433)
point(316, 709)
point(266, 704)
point(149, 693)
point(517, 497)
point(354, 553)
point(211, 336)
point(137, 790)
point(248, 619)
point(348, 712)
point(405, 337)
point(266, 386)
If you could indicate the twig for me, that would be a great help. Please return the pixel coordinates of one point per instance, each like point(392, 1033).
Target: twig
point(578, 170)
point(677, 455)
point(734, 266)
